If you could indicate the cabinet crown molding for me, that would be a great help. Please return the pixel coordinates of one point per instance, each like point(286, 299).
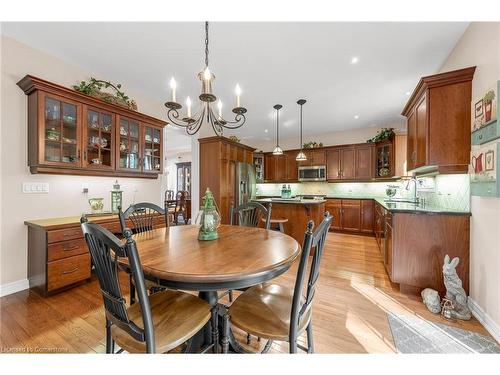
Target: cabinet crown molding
point(31, 83)
point(436, 80)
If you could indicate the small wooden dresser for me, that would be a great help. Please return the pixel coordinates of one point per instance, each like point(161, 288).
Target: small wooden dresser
point(58, 257)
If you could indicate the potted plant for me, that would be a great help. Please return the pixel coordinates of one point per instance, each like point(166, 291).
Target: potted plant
point(488, 100)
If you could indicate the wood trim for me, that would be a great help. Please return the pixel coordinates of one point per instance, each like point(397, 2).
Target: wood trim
point(226, 141)
point(436, 80)
point(31, 83)
point(93, 172)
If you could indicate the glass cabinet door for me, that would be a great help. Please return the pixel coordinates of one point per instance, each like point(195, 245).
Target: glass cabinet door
point(152, 149)
point(60, 132)
point(99, 139)
point(129, 145)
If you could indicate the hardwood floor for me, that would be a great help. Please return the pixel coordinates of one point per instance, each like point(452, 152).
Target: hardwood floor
point(353, 296)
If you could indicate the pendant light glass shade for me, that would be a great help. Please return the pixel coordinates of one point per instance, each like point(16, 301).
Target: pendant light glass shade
point(301, 156)
point(278, 150)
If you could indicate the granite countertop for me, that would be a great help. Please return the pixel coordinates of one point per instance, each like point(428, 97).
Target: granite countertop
point(289, 201)
point(424, 209)
point(391, 206)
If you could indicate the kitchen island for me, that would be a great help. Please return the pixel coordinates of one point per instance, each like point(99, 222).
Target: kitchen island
point(298, 212)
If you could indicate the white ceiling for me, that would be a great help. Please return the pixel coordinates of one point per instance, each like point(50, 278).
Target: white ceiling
point(272, 62)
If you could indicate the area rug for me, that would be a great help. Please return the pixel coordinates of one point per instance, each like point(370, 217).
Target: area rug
point(415, 335)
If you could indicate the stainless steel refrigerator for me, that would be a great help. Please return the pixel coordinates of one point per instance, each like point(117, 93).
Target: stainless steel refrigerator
point(245, 183)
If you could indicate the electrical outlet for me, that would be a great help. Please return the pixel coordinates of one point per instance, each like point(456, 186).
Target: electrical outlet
point(85, 188)
point(35, 187)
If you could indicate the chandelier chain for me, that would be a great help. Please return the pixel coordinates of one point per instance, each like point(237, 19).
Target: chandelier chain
point(206, 44)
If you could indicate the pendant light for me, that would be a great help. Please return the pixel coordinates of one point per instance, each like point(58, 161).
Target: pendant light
point(301, 156)
point(278, 150)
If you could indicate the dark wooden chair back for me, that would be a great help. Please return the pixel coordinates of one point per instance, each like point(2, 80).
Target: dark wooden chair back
point(104, 249)
point(142, 216)
point(169, 195)
point(312, 242)
point(180, 206)
point(250, 214)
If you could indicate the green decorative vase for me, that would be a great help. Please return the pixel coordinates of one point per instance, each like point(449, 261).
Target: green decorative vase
point(209, 218)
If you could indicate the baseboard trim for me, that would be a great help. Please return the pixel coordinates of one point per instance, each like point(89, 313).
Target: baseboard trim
point(491, 326)
point(14, 287)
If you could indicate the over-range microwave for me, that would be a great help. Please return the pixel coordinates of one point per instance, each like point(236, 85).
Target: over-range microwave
point(312, 173)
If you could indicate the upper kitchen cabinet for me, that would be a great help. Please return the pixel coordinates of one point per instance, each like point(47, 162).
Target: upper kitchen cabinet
point(438, 115)
point(315, 157)
point(350, 162)
point(73, 133)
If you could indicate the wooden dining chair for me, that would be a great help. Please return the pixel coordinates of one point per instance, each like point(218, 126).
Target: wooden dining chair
point(250, 214)
point(274, 312)
point(180, 207)
point(143, 217)
point(157, 323)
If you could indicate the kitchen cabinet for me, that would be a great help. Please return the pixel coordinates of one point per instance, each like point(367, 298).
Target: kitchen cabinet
point(413, 246)
point(367, 216)
point(258, 162)
point(388, 245)
point(292, 166)
point(275, 168)
point(218, 158)
point(270, 167)
point(334, 206)
point(352, 215)
point(333, 163)
point(385, 158)
point(347, 163)
point(73, 133)
point(438, 116)
point(314, 157)
point(363, 169)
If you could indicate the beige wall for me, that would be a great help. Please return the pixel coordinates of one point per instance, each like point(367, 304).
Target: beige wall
point(65, 197)
point(480, 46)
point(328, 139)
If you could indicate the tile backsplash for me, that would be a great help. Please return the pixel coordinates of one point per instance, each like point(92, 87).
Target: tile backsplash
point(445, 191)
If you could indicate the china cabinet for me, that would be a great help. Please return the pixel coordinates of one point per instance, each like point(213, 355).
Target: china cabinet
point(258, 162)
point(73, 133)
point(184, 177)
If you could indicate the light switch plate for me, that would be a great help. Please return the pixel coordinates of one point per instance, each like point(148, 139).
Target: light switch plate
point(35, 187)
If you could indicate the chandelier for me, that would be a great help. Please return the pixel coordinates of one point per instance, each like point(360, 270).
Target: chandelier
point(205, 113)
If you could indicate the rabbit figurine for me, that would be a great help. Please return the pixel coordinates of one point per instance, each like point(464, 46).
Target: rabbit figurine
point(454, 290)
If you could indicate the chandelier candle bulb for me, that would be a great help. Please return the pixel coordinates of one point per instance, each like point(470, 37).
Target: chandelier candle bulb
point(238, 94)
point(188, 104)
point(173, 86)
point(219, 106)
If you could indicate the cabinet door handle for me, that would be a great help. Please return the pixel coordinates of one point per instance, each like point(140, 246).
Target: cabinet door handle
point(71, 271)
point(78, 157)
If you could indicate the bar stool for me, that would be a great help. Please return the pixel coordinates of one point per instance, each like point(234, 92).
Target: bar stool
point(280, 221)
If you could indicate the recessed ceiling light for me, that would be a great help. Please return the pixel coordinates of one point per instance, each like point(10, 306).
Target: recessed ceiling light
point(408, 93)
point(265, 131)
point(354, 60)
point(356, 117)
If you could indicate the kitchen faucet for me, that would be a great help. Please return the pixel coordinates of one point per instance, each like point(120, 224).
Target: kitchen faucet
point(415, 182)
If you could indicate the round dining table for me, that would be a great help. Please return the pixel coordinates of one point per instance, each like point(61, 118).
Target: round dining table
point(239, 258)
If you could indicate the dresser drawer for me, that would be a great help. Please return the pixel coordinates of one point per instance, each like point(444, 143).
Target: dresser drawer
point(65, 249)
point(113, 227)
point(64, 234)
point(67, 271)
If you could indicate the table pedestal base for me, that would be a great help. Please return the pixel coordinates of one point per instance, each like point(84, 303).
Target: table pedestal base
point(203, 339)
